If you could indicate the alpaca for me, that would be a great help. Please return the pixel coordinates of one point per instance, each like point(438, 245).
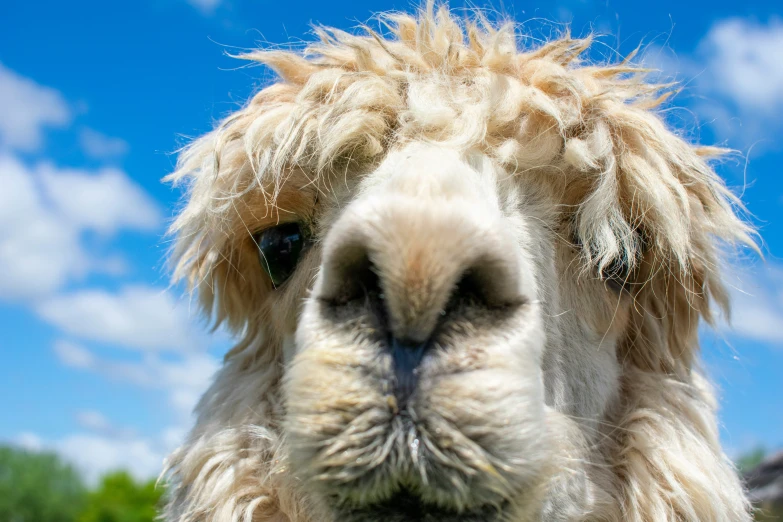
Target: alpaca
point(467, 279)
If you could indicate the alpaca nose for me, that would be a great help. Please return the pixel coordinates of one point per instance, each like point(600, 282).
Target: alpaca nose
point(409, 272)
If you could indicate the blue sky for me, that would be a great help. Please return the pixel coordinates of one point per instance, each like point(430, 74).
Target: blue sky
point(102, 361)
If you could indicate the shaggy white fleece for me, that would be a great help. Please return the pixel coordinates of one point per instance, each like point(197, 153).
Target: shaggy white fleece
point(441, 146)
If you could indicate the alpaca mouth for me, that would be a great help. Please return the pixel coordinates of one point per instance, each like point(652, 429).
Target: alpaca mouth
point(406, 506)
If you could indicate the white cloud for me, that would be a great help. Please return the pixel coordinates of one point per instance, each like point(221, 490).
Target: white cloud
point(187, 380)
point(736, 73)
point(105, 201)
point(181, 378)
point(137, 317)
point(114, 265)
point(29, 441)
point(205, 6)
point(27, 108)
point(742, 82)
point(73, 355)
point(101, 448)
point(46, 216)
point(93, 420)
point(76, 356)
point(100, 146)
point(38, 250)
point(95, 455)
point(106, 448)
point(757, 305)
point(97, 423)
point(745, 64)
point(44, 212)
point(174, 436)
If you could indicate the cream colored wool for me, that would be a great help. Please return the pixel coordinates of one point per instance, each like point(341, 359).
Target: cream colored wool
point(630, 423)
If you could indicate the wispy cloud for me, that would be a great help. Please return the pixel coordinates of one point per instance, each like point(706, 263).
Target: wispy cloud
point(100, 146)
point(757, 304)
point(744, 65)
point(38, 251)
point(736, 73)
point(74, 355)
point(181, 377)
point(205, 6)
point(96, 454)
point(137, 317)
point(101, 446)
point(104, 201)
point(29, 441)
point(97, 423)
point(44, 212)
point(49, 219)
point(27, 108)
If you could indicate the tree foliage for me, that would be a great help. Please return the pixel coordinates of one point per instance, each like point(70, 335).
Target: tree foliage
point(121, 499)
point(38, 487)
point(751, 459)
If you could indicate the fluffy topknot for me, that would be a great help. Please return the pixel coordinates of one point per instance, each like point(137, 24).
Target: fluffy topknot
point(348, 99)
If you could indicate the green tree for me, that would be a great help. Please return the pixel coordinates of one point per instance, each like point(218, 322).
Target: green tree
point(38, 487)
point(119, 498)
point(751, 459)
point(769, 513)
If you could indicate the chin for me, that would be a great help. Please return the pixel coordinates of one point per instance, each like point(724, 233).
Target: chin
point(404, 506)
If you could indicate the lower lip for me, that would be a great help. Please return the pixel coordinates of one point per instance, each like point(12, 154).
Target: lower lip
point(405, 506)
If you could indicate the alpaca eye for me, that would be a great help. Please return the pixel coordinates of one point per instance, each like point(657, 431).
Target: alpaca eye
point(617, 275)
point(279, 249)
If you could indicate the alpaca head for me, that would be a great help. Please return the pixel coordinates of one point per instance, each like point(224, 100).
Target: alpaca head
point(467, 281)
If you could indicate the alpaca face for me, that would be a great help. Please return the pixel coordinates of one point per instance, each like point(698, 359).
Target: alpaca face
point(466, 280)
point(434, 344)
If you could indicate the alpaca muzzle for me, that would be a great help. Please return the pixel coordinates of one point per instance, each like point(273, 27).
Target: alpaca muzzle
point(417, 375)
point(416, 270)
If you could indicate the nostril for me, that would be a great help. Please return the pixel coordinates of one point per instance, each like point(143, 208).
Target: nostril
point(488, 284)
point(352, 290)
point(360, 282)
point(352, 276)
point(406, 358)
point(468, 288)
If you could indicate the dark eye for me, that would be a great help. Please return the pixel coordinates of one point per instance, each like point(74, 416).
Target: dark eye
point(617, 275)
point(279, 249)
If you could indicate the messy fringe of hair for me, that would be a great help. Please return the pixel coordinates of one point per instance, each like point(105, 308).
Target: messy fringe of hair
point(349, 98)
point(635, 191)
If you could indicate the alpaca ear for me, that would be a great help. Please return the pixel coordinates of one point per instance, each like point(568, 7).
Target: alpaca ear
point(674, 292)
point(678, 286)
point(655, 181)
point(668, 451)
